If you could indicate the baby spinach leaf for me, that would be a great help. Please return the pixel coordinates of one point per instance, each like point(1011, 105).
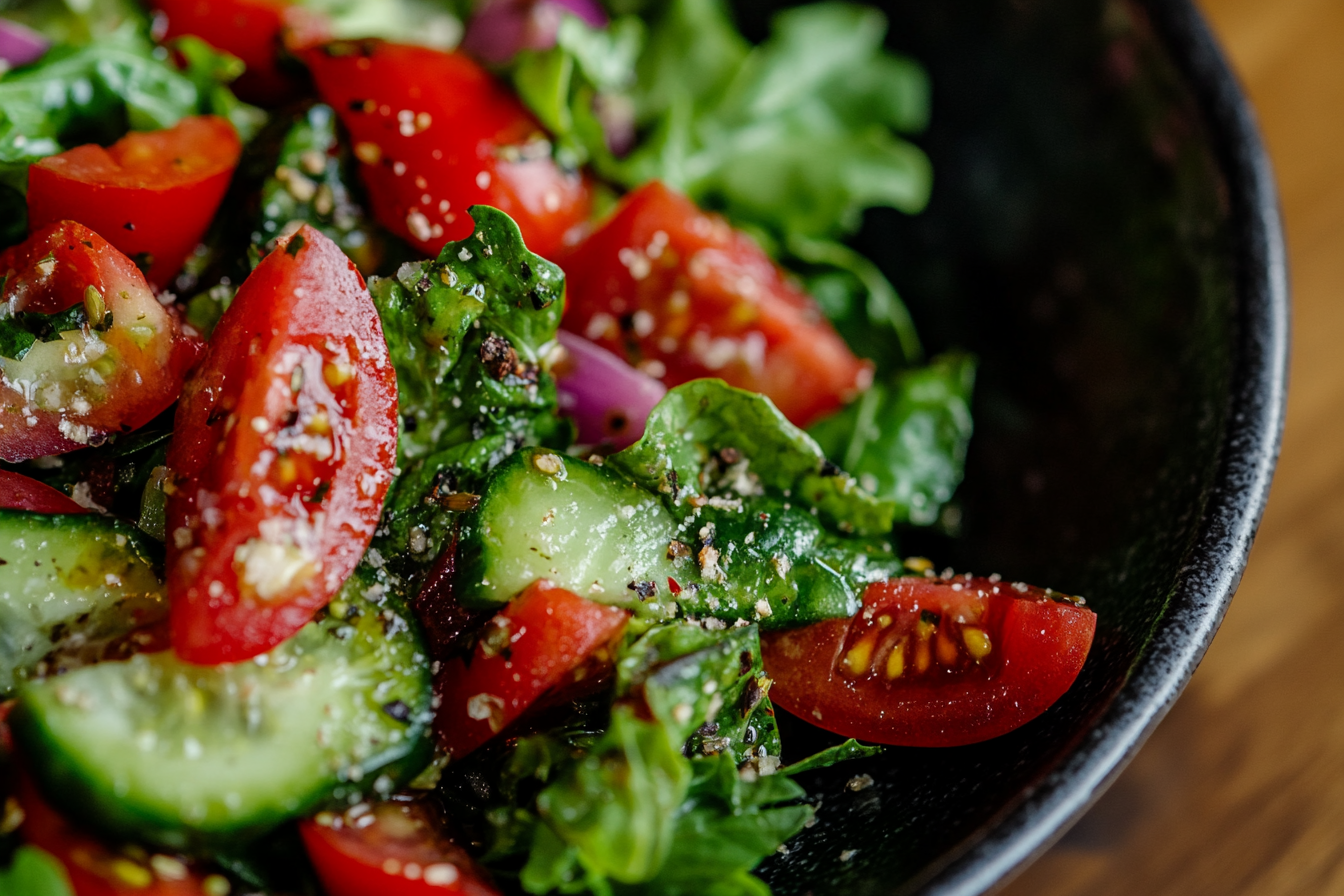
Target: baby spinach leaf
point(706, 432)
point(906, 438)
point(850, 749)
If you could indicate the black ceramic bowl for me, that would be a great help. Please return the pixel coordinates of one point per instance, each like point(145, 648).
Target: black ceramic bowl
point(1104, 233)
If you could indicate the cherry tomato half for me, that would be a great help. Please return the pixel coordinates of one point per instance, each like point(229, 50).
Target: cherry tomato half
point(282, 452)
point(96, 869)
point(151, 193)
point(530, 647)
point(18, 492)
point(256, 31)
point(394, 848)
point(932, 663)
point(111, 363)
point(682, 295)
point(435, 134)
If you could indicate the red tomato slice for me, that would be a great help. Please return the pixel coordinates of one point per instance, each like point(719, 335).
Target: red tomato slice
point(114, 374)
point(682, 295)
point(18, 492)
point(152, 193)
point(932, 663)
point(532, 646)
point(253, 30)
point(436, 134)
point(395, 848)
point(282, 452)
point(94, 868)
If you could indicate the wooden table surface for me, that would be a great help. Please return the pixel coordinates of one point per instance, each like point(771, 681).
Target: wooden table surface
point(1241, 789)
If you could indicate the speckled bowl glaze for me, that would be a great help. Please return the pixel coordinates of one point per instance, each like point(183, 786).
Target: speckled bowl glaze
point(1104, 233)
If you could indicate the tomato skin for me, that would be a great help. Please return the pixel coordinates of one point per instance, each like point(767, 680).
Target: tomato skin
point(77, 391)
point(1034, 647)
point(94, 868)
point(253, 30)
point(18, 492)
point(436, 134)
point(530, 647)
point(401, 852)
point(682, 295)
point(282, 451)
point(150, 192)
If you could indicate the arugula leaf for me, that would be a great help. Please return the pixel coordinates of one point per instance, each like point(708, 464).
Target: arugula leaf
point(21, 330)
point(906, 438)
point(705, 426)
point(35, 872)
point(66, 22)
point(431, 23)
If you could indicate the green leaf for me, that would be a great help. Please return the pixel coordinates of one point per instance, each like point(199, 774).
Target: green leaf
point(706, 422)
point(906, 439)
point(616, 808)
point(470, 335)
point(311, 183)
point(35, 872)
point(850, 749)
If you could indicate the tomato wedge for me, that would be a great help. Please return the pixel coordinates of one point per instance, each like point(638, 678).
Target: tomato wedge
point(395, 848)
point(282, 452)
point(86, 351)
point(255, 31)
point(933, 663)
point(435, 134)
point(537, 642)
point(152, 193)
point(18, 492)
point(680, 294)
point(96, 869)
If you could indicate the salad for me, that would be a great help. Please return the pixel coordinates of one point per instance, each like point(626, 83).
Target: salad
point(439, 441)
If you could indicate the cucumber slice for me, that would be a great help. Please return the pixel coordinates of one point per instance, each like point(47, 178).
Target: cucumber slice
point(72, 586)
point(589, 530)
point(194, 757)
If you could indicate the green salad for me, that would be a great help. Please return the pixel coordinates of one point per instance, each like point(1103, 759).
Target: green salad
point(441, 440)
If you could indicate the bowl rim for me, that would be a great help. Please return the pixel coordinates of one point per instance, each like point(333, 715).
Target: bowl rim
point(1249, 450)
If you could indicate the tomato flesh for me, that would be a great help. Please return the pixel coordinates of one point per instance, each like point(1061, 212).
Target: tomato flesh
point(435, 134)
point(253, 30)
point(682, 295)
point(532, 646)
point(113, 374)
point(932, 663)
point(395, 848)
point(152, 193)
point(96, 869)
point(282, 452)
point(18, 492)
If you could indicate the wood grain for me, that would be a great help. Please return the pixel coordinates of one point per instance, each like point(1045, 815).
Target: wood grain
point(1241, 789)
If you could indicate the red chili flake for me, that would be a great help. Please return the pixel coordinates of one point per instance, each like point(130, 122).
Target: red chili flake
point(673, 586)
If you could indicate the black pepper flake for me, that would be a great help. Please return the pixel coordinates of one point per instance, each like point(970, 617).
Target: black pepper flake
point(674, 482)
point(525, 270)
point(709, 729)
point(830, 469)
point(498, 356)
point(928, 617)
point(746, 662)
point(398, 710)
point(678, 550)
point(644, 590)
point(129, 225)
point(730, 456)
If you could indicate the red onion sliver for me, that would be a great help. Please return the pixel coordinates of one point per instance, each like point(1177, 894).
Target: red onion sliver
point(501, 28)
point(19, 44)
point(606, 398)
